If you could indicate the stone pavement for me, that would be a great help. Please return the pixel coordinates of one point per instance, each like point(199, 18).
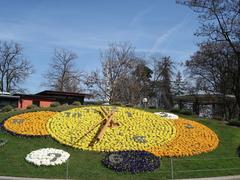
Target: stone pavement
point(210, 178)
point(216, 178)
point(23, 178)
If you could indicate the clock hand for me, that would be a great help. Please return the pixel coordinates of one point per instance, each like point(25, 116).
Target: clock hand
point(105, 117)
point(112, 122)
point(102, 129)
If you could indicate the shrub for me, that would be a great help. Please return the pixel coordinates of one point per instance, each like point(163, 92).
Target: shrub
point(116, 104)
point(55, 104)
point(234, 123)
point(175, 110)
point(186, 112)
point(129, 105)
point(32, 106)
point(152, 107)
point(76, 103)
point(7, 108)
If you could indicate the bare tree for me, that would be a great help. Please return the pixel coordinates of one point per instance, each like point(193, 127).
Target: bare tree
point(220, 22)
point(116, 63)
point(14, 68)
point(62, 74)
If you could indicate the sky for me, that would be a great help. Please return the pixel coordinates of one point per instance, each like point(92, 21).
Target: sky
point(88, 27)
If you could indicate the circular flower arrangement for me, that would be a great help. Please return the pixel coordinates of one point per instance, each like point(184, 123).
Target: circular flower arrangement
point(136, 129)
point(167, 115)
point(47, 157)
point(29, 124)
point(192, 138)
point(131, 161)
point(3, 142)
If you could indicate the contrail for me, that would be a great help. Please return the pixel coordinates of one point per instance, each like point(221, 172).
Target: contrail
point(162, 38)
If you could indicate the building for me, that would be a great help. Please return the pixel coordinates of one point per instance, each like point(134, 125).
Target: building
point(215, 105)
point(42, 99)
point(8, 100)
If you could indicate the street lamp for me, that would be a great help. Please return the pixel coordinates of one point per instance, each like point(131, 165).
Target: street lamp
point(145, 100)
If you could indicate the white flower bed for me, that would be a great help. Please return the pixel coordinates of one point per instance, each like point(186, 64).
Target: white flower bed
point(167, 115)
point(47, 157)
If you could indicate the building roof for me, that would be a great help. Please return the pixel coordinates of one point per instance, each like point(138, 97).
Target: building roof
point(33, 96)
point(9, 97)
point(60, 93)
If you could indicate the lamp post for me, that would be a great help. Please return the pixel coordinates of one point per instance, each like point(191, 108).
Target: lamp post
point(145, 100)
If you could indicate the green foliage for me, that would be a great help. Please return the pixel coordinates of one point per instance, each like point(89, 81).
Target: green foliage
point(32, 106)
point(234, 123)
point(55, 104)
point(129, 105)
point(186, 112)
point(152, 107)
point(7, 108)
point(175, 110)
point(116, 104)
point(76, 103)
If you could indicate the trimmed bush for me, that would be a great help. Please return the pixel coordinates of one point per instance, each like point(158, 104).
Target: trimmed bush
point(152, 107)
point(76, 103)
point(32, 106)
point(129, 105)
point(116, 104)
point(175, 110)
point(234, 123)
point(185, 112)
point(7, 108)
point(55, 104)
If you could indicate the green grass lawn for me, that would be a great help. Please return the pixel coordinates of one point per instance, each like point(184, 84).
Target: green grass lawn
point(87, 165)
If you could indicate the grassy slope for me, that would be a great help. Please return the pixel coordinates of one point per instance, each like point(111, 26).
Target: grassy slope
point(87, 165)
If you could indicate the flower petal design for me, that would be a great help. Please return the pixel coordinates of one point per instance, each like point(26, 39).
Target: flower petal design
point(47, 157)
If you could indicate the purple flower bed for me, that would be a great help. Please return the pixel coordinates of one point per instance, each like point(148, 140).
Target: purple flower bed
point(131, 161)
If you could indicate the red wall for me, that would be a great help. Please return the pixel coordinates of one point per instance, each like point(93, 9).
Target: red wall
point(45, 103)
point(25, 103)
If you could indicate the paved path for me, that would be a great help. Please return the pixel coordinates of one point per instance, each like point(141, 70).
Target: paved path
point(23, 178)
point(216, 178)
point(210, 178)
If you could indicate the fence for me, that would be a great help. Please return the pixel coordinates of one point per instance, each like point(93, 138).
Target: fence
point(171, 168)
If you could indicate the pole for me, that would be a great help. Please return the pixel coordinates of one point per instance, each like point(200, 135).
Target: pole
point(67, 171)
point(171, 167)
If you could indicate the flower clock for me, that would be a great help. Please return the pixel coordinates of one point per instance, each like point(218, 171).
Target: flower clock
point(133, 139)
point(29, 124)
point(110, 129)
point(47, 157)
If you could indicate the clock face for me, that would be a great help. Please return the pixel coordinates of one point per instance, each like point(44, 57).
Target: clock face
point(128, 129)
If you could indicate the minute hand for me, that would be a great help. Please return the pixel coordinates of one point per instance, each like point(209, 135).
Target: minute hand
point(106, 125)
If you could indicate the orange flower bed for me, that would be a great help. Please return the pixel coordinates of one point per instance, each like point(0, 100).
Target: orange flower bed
point(191, 138)
point(30, 124)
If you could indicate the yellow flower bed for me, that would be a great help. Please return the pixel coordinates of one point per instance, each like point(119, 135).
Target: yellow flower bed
point(137, 130)
point(192, 138)
point(31, 124)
